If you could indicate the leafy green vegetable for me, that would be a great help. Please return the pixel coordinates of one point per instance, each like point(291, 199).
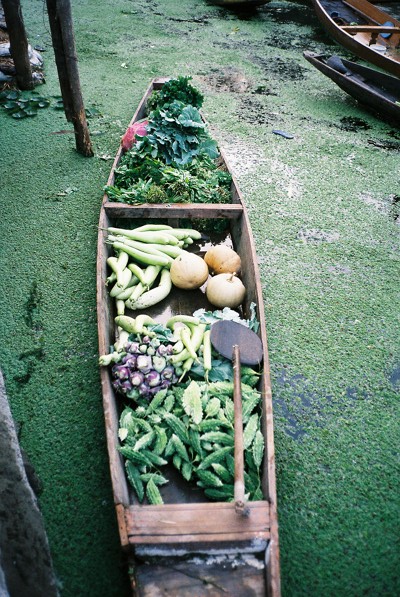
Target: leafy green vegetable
point(176, 133)
point(226, 313)
point(176, 89)
point(146, 179)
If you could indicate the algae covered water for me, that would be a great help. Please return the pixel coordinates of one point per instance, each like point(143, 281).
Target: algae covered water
point(324, 206)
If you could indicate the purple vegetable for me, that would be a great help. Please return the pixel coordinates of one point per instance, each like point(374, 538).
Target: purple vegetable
point(134, 347)
point(144, 390)
point(159, 363)
point(130, 361)
point(153, 378)
point(144, 363)
point(125, 386)
point(122, 372)
point(137, 377)
point(167, 372)
point(153, 391)
point(162, 350)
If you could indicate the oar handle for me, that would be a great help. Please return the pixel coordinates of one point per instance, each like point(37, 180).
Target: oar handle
point(238, 428)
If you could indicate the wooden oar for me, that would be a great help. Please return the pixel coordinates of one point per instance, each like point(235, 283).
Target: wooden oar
point(240, 344)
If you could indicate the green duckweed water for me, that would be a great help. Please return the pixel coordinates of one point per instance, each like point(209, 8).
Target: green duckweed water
point(323, 211)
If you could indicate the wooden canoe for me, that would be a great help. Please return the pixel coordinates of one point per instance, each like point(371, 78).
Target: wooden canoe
point(235, 555)
point(367, 31)
point(375, 90)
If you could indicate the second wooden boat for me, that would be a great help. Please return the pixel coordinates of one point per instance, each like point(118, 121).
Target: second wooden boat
point(190, 536)
point(364, 29)
point(375, 90)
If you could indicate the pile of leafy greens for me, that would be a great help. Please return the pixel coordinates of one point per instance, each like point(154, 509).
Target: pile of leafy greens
point(176, 160)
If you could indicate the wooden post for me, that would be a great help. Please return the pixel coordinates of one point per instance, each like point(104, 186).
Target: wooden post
point(62, 34)
point(18, 43)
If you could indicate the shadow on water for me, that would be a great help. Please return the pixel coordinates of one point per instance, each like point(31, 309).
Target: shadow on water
point(394, 378)
point(394, 210)
point(300, 406)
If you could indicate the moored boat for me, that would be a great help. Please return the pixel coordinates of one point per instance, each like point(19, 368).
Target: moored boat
point(364, 29)
point(374, 89)
point(190, 534)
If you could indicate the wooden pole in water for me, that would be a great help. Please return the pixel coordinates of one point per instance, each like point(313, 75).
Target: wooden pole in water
point(62, 34)
point(18, 43)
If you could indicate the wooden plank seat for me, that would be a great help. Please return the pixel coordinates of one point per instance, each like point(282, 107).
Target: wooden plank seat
point(370, 29)
point(375, 16)
point(196, 522)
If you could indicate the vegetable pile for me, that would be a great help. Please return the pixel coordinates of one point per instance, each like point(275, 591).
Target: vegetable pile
point(188, 424)
point(143, 256)
point(181, 390)
point(160, 250)
point(192, 428)
point(169, 156)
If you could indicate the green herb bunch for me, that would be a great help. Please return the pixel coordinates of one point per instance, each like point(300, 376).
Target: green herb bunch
point(200, 181)
point(176, 89)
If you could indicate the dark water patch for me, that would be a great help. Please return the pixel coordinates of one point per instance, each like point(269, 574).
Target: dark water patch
point(203, 20)
point(287, 408)
point(32, 307)
point(283, 69)
point(300, 14)
point(241, 13)
point(355, 394)
point(29, 358)
point(394, 134)
point(302, 406)
point(394, 210)
point(394, 378)
point(263, 90)
point(287, 42)
point(254, 112)
point(384, 144)
point(353, 124)
point(27, 363)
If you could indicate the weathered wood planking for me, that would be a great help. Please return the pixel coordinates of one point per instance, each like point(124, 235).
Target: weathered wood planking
point(187, 520)
point(384, 52)
point(233, 577)
point(374, 89)
point(186, 523)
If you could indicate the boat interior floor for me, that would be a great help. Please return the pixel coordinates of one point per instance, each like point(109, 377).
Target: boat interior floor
point(201, 576)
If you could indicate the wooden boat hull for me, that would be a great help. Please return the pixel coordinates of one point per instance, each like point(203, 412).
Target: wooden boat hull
point(336, 15)
point(375, 90)
point(187, 523)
